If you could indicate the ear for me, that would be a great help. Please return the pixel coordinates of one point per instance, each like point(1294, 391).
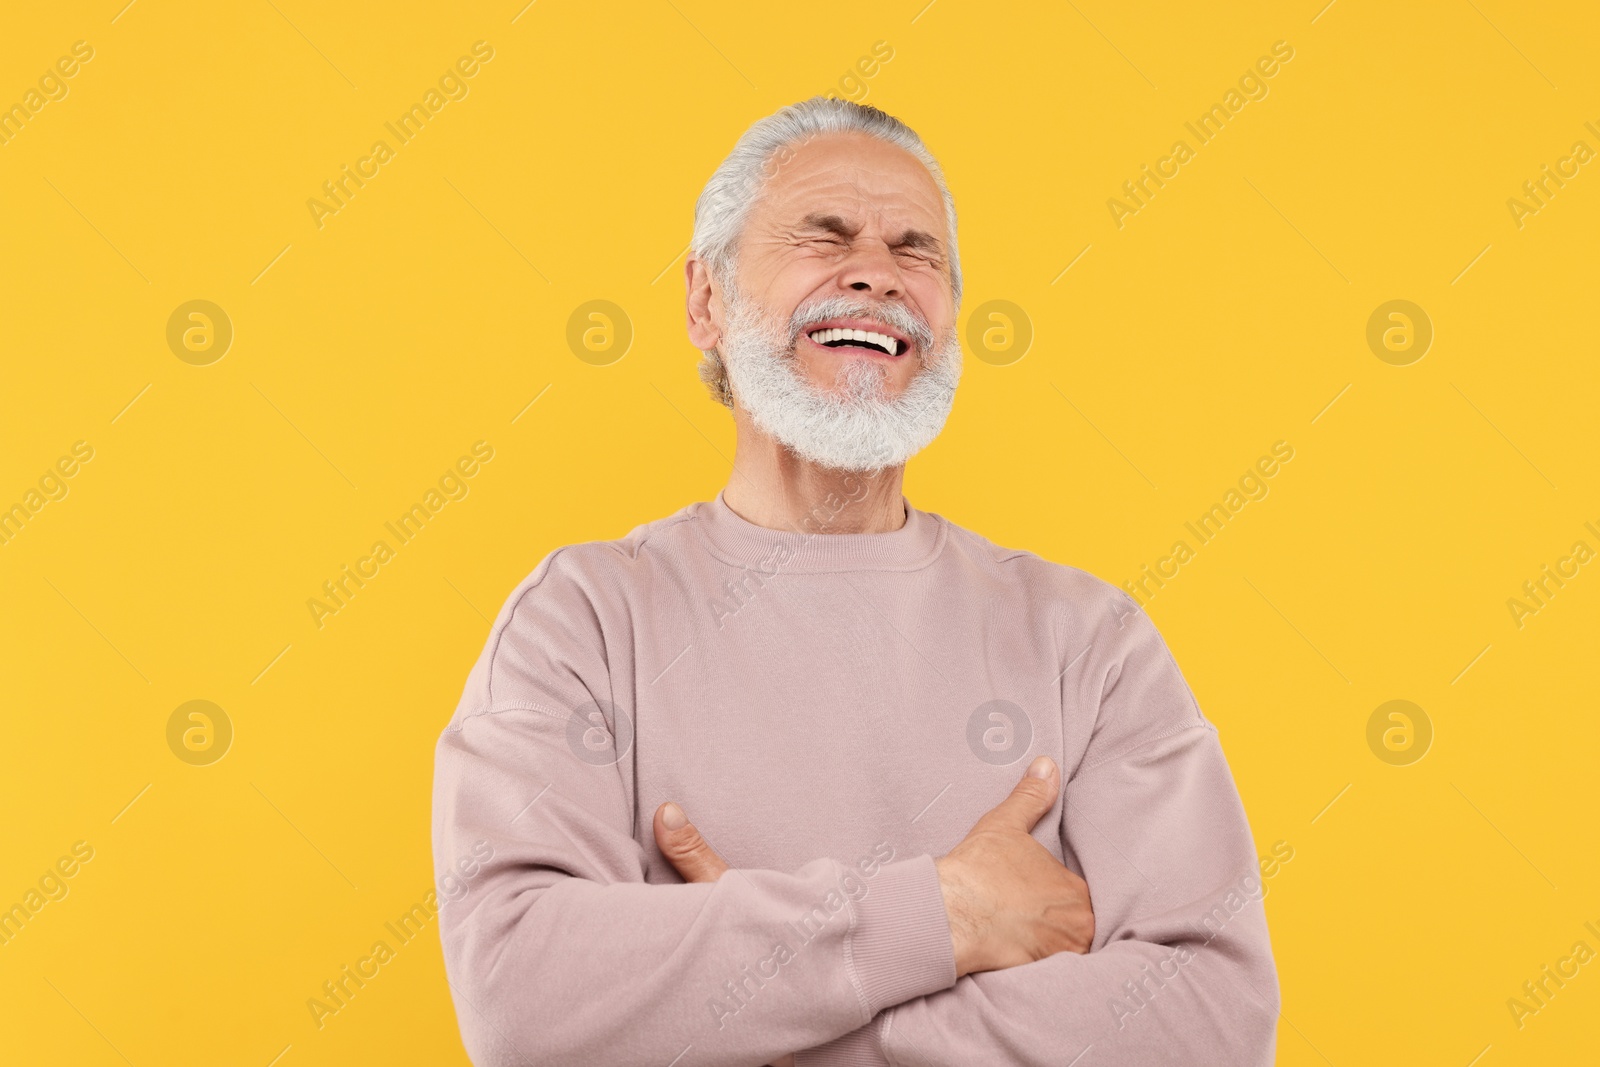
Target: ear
point(704, 305)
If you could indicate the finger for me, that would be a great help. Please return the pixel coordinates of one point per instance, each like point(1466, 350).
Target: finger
point(683, 846)
point(1028, 802)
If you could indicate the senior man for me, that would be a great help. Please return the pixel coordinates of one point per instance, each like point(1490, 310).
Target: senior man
point(779, 778)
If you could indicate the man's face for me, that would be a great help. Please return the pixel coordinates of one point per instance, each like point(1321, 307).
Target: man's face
point(848, 236)
point(849, 215)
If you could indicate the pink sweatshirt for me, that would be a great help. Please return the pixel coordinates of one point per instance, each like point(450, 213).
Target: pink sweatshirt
point(832, 711)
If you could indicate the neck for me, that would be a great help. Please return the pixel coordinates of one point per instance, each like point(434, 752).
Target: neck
point(772, 486)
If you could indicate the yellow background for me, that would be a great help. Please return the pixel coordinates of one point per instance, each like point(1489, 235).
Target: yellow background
point(432, 309)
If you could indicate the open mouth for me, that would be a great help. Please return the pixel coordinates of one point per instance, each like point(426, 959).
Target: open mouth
point(869, 340)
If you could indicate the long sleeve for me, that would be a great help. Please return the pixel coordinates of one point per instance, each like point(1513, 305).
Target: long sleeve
point(1180, 971)
point(557, 949)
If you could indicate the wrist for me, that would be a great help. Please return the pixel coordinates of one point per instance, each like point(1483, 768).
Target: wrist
point(900, 944)
point(957, 912)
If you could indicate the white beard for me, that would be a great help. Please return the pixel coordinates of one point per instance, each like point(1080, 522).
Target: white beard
point(856, 428)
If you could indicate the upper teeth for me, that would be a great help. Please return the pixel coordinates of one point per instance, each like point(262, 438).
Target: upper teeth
point(883, 340)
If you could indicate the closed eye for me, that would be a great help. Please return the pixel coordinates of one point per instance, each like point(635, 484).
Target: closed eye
point(821, 244)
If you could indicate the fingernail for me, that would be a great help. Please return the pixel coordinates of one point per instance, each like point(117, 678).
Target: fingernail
point(673, 817)
point(1040, 768)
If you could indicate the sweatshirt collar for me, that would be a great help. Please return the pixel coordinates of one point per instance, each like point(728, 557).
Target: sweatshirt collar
point(806, 549)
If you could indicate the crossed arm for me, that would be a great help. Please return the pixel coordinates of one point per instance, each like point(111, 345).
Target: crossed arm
point(1181, 988)
point(561, 953)
point(1008, 900)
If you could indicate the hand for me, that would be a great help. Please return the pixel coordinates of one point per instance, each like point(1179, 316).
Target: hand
point(683, 846)
point(1010, 901)
point(697, 861)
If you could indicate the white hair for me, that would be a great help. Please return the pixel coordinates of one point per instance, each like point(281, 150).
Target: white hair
point(725, 202)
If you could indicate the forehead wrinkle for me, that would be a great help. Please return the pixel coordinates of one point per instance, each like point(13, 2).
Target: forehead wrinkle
point(852, 180)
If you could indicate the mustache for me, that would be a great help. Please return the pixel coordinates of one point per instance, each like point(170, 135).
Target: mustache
point(897, 317)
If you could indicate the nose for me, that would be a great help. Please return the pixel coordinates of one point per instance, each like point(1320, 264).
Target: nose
point(871, 269)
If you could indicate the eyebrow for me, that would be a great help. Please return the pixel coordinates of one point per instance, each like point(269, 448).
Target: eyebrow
point(839, 227)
